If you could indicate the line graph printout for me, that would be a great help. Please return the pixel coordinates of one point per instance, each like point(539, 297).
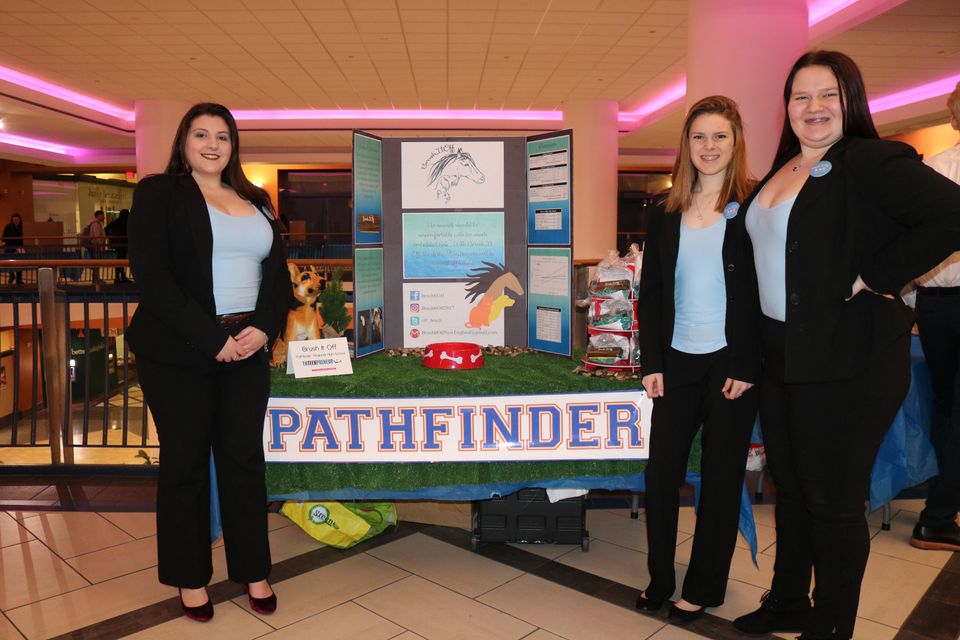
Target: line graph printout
point(549, 310)
point(549, 275)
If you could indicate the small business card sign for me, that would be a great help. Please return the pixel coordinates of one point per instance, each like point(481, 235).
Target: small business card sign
point(315, 358)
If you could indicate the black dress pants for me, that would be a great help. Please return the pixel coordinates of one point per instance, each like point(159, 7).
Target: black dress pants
point(693, 396)
point(939, 321)
point(821, 441)
point(221, 408)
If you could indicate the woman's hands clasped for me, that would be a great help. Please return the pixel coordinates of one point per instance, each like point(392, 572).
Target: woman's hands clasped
point(243, 345)
point(733, 389)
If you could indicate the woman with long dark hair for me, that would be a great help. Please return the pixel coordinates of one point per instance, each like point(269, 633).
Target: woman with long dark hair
point(206, 253)
point(700, 355)
point(839, 226)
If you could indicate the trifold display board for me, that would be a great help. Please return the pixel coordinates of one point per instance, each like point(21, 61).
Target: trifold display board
point(463, 240)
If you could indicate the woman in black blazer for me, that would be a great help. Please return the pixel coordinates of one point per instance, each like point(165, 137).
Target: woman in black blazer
point(838, 227)
point(700, 356)
point(206, 253)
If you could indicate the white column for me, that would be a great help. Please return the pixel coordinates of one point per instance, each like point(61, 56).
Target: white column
point(595, 151)
point(743, 49)
point(157, 122)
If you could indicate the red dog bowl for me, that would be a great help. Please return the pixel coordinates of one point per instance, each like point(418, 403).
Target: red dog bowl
point(453, 355)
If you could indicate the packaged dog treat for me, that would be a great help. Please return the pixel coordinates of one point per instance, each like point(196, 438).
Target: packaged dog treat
point(609, 348)
point(613, 313)
point(612, 278)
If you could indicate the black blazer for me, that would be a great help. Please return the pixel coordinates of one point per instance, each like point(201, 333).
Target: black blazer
point(655, 304)
point(171, 255)
point(880, 213)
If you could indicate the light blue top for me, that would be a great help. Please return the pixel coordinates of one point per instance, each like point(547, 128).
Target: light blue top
point(700, 293)
point(768, 233)
point(240, 245)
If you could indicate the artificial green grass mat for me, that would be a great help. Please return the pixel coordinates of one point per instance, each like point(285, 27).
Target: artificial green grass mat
point(380, 376)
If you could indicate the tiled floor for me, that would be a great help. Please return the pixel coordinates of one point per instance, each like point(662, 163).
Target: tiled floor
point(92, 575)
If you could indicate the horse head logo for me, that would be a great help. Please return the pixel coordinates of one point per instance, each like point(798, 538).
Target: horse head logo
point(446, 171)
point(490, 283)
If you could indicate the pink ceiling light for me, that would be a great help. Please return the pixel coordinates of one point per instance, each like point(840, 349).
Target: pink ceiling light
point(667, 98)
point(915, 94)
point(395, 114)
point(39, 145)
point(820, 10)
point(48, 88)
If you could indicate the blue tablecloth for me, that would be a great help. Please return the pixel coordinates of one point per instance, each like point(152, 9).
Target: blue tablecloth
point(635, 483)
point(906, 457)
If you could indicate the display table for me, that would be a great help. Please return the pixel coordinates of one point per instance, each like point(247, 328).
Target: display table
point(380, 376)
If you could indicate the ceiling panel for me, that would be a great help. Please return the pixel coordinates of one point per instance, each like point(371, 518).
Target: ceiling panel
point(489, 54)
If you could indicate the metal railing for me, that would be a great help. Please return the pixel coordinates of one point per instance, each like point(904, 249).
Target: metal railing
point(68, 382)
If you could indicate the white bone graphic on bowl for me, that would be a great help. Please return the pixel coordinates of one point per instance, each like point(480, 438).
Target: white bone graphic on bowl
point(429, 354)
point(444, 356)
point(475, 356)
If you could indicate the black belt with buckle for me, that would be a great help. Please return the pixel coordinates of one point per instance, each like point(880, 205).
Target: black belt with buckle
point(938, 291)
point(234, 322)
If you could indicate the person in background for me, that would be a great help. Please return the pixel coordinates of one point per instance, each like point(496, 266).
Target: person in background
point(840, 224)
point(700, 357)
point(13, 243)
point(92, 239)
point(211, 270)
point(116, 233)
point(938, 318)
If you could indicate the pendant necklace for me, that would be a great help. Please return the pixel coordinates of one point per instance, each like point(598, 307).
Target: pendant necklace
point(795, 168)
point(697, 205)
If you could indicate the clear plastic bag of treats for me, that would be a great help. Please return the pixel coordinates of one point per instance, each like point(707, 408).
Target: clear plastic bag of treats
point(609, 348)
point(613, 279)
point(634, 261)
point(614, 314)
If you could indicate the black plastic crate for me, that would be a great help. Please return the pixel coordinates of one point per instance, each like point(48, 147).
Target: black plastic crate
point(527, 516)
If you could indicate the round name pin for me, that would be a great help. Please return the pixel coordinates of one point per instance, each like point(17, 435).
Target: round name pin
point(731, 210)
point(820, 169)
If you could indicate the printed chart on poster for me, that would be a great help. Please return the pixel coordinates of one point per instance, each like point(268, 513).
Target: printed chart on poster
point(548, 190)
point(367, 189)
point(549, 277)
point(368, 301)
point(460, 174)
point(449, 312)
point(451, 244)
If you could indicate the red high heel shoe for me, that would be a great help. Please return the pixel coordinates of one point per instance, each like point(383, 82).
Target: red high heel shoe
point(263, 606)
point(203, 613)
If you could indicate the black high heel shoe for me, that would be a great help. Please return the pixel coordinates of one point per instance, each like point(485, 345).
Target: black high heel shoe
point(682, 616)
point(263, 606)
point(646, 605)
point(202, 613)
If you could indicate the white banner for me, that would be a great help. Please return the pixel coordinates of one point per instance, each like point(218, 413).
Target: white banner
point(572, 426)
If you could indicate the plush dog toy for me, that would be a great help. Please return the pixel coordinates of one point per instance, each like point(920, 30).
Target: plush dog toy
point(303, 320)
